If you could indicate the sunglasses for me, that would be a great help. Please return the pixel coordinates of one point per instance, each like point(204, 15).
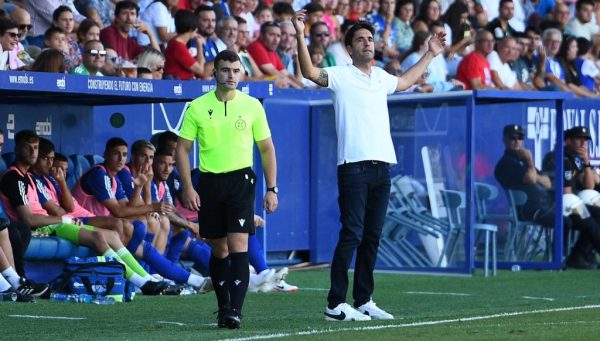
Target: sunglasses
point(101, 53)
point(12, 34)
point(516, 137)
point(25, 27)
point(322, 34)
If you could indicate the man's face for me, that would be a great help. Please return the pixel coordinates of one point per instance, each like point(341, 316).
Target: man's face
point(207, 21)
point(229, 32)
point(10, 39)
point(585, 13)
point(552, 44)
point(126, 19)
point(561, 13)
point(57, 41)
point(143, 157)
point(94, 56)
point(44, 163)
point(321, 34)
point(162, 167)
point(64, 165)
point(384, 5)
point(237, 7)
point(507, 11)
point(115, 158)
point(514, 142)
point(524, 44)
point(485, 45)
point(508, 51)
point(27, 152)
point(576, 143)
point(362, 49)
point(271, 37)
point(287, 37)
point(314, 17)
point(23, 20)
point(243, 35)
point(406, 12)
point(536, 40)
point(228, 74)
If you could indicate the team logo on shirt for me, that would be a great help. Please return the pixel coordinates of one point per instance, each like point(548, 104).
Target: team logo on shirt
point(240, 124)
point(210, 111)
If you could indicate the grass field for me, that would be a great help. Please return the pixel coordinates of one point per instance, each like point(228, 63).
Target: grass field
point(527, 305)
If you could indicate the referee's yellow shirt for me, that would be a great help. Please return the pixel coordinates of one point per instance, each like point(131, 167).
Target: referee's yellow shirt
point(225, 131)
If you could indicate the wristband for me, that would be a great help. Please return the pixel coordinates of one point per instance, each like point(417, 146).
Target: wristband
point(66, 220)
point(587, 165)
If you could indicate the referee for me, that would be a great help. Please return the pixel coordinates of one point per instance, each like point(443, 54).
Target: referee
point(226, 122)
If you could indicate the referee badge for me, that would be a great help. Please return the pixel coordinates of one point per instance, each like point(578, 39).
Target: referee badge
point(240, 124)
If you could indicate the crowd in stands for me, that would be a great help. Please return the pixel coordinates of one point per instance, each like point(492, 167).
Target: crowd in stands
point(500, 44)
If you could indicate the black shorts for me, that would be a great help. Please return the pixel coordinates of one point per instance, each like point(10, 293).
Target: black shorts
point(227, 203)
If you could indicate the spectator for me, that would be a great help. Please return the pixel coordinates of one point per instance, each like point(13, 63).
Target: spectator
point(559, 18)
point(9, 45)
point(63, 18)
point(404, 34)
point(207, 20)
point(153, 61)
point(227, 31)
point(589, 75)
point(117, 35)
point(500, 27)
point(314, 14)
point(430, 12)
point(50, 60)
point(319, 33)
point(252, 71)
point(180, 64)
point(263, 51)
point(380, 21)
point(566, 57)
point(283, 11)
point(474, 69)
point(581, 25)
point(457, 17)
point(56, 39)
point(88, 30)
point(286, 50)
point(503, 76)
point(100, 11)
point(160, 21)
point(552, 73)
point(94, 57)
point(342, 11)
point(110, 68)
point(262, 15)
point(41, 17)
point(23, 21)
point(356, 11)
point(248, 14)
point(524, 67)
point(337, 48)
point(189, 5)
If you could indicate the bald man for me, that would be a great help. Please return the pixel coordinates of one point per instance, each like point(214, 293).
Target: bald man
point(22, 18)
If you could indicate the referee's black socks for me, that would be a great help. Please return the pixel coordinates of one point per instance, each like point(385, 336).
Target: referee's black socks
point(219, 274)
point(239, 277)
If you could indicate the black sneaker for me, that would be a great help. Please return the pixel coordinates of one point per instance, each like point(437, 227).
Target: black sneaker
point(31, 288)
point(221, 317)
point(173, 290)
point(154, 288)
point(233, 319)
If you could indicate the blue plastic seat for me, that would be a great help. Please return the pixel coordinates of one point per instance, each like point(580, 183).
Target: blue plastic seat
point(94, 159)
point(2, 166)
point(80, 165)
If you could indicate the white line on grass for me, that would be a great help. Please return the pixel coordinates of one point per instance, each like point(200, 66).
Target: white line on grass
point(538, 298)
point(413, 324)
point(436, 293)
point(175, 323)
point(314, 289)
point(48, 317)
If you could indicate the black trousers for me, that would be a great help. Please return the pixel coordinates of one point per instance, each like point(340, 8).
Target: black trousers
point(364, 191)
point(20, 236)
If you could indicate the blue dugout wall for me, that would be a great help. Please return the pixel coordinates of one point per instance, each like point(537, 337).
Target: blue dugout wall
point(80, 113)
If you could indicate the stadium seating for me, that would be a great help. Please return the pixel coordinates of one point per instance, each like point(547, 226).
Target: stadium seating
point(9, 157)
point(94, 159)
point(80, 165)
point(71, 179)
point(2, 165)
point(45, 255)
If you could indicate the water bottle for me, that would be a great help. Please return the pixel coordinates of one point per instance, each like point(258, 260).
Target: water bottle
point(8, 296)
point(77, 298)
point(515, 268)
point(103, 300)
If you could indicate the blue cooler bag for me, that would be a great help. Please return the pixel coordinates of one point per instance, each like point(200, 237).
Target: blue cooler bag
point(97, 276)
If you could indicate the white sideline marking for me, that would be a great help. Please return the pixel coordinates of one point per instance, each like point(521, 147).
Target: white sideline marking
point(313, 289)
point(175, 323)
point(413, 324)
point(48, 317)
point(436, 293)
point(538, 298)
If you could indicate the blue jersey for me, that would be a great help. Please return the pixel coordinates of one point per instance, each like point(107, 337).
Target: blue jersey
point(98, 183)
point(160, 192)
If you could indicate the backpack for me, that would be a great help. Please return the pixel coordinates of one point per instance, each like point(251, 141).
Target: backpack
point(97, 276)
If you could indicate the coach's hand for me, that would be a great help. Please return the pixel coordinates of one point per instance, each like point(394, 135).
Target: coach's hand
point(270, 202)
point(190, 199)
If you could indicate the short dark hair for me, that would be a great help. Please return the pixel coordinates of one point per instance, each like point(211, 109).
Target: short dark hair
point(6, 24)
point(185, 21)
point(60, 10)
point(313, 7)
point(126, 4)
point(226, 55)
point(241, 20)
point(358, 26)
point(280, 8)
point(46, 147)
point(502, 2)
point(166, 136)
point(580, 3)
point(85, 26)
point(25, 136)
point(138, 145)
point(60, 157)
point(583, 46)
point(203, 8)
point(533, 29)
point(51, 31)
point(114, 142)
point(265, 26)
point(313, 27)
point(163, 151)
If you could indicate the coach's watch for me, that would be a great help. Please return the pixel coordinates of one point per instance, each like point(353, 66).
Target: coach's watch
point(273, 189)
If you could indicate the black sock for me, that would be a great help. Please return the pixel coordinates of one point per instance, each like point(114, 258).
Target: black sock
point(239, 277)
point(219, 273)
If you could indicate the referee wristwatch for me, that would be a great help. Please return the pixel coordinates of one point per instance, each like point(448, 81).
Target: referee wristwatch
point(274, 189)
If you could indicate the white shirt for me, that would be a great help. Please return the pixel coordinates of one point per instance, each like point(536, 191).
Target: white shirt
point(578, 29)
point(361, 114)
point(506, 74)
point(156, 15)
